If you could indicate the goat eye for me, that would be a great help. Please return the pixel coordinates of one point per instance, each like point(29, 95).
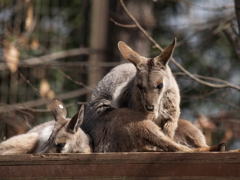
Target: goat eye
point(139, 86)
point(160, 86)
point(61, 145)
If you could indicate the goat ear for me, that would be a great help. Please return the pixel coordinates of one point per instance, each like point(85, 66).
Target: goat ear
point(77, 120)
point(58, 109)
point(128, 53)
point(166, 55)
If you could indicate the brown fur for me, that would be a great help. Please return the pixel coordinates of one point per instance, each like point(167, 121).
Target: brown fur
point(130, 110)
point(127, 130)
point(67, 136)
point(162, 102)
point(189, 135)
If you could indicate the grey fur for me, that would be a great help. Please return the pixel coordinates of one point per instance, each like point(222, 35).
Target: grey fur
point(116, 117)
point(67, 136)
point(45, 137)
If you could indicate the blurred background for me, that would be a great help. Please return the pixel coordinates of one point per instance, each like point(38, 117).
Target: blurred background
point(57, 48)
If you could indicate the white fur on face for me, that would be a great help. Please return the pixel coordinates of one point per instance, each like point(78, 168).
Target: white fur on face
point(65, 149)
point(159, 104)
point(46, 132)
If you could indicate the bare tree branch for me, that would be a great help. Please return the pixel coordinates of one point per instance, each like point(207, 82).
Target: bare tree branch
point(19, 110)
point(68, 64)
point(222, 85)
point(198, 97)
point(24, 111)
point(230, 34)
point(51, 57)
point(42, 101)
point(76, 82)
point(29, 83)
point(123, 25)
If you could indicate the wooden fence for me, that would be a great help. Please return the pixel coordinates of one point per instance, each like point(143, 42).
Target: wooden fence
point(122, 166)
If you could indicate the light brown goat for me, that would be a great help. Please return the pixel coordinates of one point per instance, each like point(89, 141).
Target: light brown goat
point(37, 139)
point(136, 105)
point(67, 136)
point(127, 130)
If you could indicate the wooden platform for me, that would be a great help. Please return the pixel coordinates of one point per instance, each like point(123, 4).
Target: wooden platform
point(122, 166)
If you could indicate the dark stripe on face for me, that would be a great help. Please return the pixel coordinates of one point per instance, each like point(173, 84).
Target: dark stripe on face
point(150, 64)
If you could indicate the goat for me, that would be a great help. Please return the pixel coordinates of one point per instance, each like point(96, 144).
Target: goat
point(42, 138)
point(137, 105)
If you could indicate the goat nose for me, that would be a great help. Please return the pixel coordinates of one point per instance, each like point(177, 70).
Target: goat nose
point(149, 107)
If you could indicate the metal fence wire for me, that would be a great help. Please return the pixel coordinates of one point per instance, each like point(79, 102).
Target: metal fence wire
point(48, 30)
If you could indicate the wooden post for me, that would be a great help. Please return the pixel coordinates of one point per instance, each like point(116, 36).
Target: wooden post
point(237, 40)
point(237, 8)
point(99, 26)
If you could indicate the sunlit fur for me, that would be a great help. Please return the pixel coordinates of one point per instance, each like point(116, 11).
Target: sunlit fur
point(45, 137)
point(149, 73)
point(34, 141)
point(68, 132)
point(116, 116)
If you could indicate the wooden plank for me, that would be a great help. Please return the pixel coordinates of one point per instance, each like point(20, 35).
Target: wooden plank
point(121, 166)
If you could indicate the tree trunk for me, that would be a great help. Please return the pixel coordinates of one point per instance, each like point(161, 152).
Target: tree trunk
point(99, 28)
point(143, 12)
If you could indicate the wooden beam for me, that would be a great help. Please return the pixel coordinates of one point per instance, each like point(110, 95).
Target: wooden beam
point(121, 165)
